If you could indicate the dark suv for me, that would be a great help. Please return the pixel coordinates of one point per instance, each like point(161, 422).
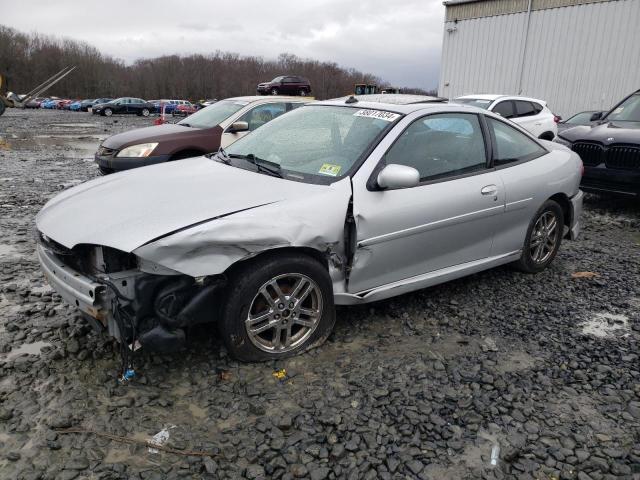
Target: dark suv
point(285, 85)
point(609, 148)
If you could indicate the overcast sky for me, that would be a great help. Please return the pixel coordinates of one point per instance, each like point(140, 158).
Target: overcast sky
point(398, 40)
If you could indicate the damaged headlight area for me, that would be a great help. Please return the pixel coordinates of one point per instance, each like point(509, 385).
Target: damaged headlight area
point(140, 303)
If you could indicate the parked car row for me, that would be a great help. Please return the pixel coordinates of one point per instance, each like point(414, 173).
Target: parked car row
point(300, 206)
point(123, 105)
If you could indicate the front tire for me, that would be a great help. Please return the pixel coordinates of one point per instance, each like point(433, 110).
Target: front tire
point(107, 112)
point(274, 91)
point(277, 306)
point(543, 239)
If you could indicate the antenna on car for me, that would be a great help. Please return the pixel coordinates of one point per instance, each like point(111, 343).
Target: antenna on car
point(351, 99)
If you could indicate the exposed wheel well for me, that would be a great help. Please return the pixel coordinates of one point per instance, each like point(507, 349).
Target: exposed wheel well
point(182, 154)
point(565, 204)
point(547, 136)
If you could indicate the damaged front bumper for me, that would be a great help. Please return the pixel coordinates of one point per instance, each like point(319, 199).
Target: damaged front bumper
point(76, 289)
point(135, 306)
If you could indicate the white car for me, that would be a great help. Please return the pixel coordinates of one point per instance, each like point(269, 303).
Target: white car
point(530, 113)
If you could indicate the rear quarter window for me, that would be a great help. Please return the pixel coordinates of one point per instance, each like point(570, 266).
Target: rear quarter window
point(511, 145)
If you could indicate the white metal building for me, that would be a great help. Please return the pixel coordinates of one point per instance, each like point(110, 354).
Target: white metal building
point(575, 54)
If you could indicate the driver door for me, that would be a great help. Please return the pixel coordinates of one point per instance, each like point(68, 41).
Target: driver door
point(447, 220)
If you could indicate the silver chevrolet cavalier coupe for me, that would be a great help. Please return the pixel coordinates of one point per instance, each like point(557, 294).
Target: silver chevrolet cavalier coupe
point(338, 202)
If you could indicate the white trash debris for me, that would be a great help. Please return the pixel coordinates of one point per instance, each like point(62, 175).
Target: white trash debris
point(495, 454)
point(160, 438)
point(605, 325)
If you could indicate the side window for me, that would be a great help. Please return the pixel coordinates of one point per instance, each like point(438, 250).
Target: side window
point(512, 145)
point(505, 109)
point(441, 145)
point(263, 114)
point(536, 107)
point(524, 109)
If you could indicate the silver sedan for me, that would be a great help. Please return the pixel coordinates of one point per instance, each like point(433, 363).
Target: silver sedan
point(337, 202)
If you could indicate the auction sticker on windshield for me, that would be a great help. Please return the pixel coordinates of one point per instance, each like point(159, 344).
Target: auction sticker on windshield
point(330, 169)
point(380, 115)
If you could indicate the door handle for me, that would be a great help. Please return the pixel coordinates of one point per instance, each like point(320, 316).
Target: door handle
point(539, 123)
point(489, 190)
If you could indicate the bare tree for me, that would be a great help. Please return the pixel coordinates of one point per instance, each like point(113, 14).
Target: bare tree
point(26, 59)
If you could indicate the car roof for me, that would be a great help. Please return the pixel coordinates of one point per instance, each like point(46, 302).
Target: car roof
point(405, 108)
point(493, 97)
point(396, 98)
point(268, 98)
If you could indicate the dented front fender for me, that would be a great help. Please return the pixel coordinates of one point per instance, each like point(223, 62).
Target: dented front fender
point(315, 221)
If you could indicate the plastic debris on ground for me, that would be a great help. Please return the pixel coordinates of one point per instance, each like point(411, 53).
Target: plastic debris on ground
point(160, 438)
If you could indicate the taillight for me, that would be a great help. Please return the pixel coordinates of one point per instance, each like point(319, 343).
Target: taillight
point(556, 118)
point(581, 168)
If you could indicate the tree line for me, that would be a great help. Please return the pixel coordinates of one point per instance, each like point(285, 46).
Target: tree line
point(28, 59)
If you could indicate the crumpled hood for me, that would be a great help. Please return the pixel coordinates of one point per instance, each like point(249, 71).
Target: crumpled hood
point(128, 209)
point(156, 133)
point(618, 132)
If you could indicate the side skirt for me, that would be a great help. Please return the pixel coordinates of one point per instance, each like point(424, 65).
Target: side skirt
point(425, 280)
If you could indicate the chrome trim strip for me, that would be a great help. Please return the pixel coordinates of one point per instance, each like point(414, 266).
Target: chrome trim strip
point(518, 204)
point(431, 226)
point(425, 280)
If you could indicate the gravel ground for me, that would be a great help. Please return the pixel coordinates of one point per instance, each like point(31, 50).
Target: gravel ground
point(426, 385)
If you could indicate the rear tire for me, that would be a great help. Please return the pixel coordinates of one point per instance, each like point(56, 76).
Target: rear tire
point(543, 239)
point(298, 315)
point(303, 92)
point(145, 112)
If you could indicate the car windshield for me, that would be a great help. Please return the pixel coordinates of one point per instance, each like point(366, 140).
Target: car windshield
point(476, 102)
point(581, 118)
point(212, 115)
point(277, 79)
point(627, 111)
point(315, 143)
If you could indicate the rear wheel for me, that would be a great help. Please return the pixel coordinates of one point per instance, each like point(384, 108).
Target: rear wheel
point(303, 92)
point(543, 238)
point(145, 112)
point(277, 306)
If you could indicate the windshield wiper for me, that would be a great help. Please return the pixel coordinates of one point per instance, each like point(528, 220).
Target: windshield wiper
point(221, 155)
point(262, 165)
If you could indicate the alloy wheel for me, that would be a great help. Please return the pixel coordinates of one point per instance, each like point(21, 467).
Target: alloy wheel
point(544, 237)
point(284, 313)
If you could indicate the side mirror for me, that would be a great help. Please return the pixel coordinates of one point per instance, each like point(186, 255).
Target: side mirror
point(396, 176)
point(238, 127)
point(596, 116)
